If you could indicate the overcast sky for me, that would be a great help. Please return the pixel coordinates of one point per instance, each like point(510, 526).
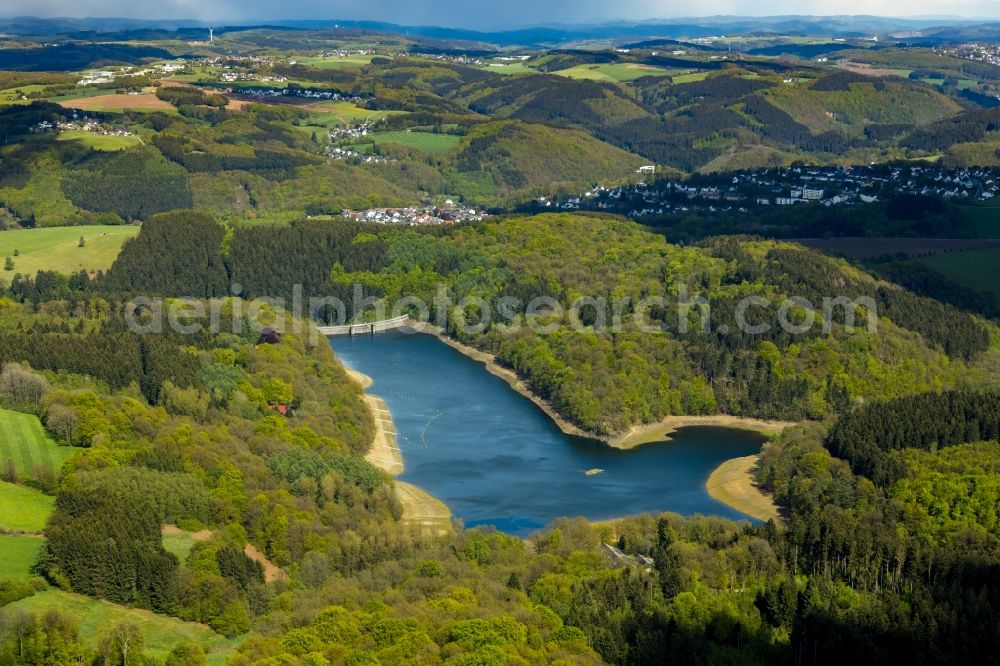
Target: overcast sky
point(489, 14)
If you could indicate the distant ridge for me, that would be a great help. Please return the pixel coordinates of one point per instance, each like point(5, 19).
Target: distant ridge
point(925, 29)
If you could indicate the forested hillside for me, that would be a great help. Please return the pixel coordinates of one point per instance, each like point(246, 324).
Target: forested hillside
point(872, 438)
point(298, 137)
point(859, 572)
point(602, 380)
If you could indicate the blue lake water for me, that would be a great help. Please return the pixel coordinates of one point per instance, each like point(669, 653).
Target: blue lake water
point(494, 458)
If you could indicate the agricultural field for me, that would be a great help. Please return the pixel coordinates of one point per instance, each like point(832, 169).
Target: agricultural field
point(428, 142)
point(146, 101)
point(104, 143)
point(509, 68)
point(616, 72)
point(871, 248)
point(17, 555)
point(58, 248)
point(690, 77)
point(24, 440)
point(13, 95)
point(985, 217)
point(962, 84)
point(335, 62)
point(323, 121)
point(978, 270)
point(161, 633)
point(24, 509)
point(866, 69)
point(344, 113)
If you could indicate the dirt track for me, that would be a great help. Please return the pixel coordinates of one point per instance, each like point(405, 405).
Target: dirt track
point(272, 571)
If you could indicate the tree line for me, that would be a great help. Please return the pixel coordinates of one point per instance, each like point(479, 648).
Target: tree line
point(870, 436)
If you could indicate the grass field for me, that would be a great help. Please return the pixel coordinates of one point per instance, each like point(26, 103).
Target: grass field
point(142, 102)
point(866, 69)
point(17, 555)
point(24, 509)
point(57, 248)
point(179, 543)
point(870, 248)
point(12, 95)
point(345, 113)
point(616, 72)
point(161, 633)
point(509, 68)
point(691, 77)
point(427, 142)
point(107, 143)
point(985, 217)
point(963, 84)
point(978, 270)
point(355, 60)
point(24, 440)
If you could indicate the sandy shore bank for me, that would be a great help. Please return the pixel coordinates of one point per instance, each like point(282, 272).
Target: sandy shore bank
point(420, 508)
point(732, 483)
point(384, 452)
point(662, 430)
point(360, 378)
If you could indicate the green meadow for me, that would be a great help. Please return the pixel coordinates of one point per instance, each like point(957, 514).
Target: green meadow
point(344, 113)
point(106, 143)
point(25, 441)
point(509, 68)
point(616, 72)
point(978, 270)
point(179, 543)
point(985, 217)
point(690, 77)
point(161, 633)
point(427, 142)
point(335, 62)
point(58, 248)
point(17, 555)
point(13, 95)
point(24, 509)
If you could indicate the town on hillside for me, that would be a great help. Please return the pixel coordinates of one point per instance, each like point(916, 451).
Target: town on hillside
point(744, 190)
point(418, 215)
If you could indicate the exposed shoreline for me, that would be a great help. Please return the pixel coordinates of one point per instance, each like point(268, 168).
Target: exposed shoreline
point(661, 431)
point(384, 452)
point(732, 483)
point(420, 508)
point(634, 436)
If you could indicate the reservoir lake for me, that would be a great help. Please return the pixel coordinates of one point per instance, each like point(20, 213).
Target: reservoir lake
point(495, 458)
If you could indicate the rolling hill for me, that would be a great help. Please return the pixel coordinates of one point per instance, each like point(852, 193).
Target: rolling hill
point(512, 158)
